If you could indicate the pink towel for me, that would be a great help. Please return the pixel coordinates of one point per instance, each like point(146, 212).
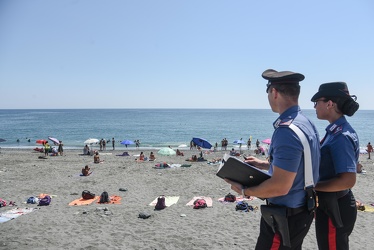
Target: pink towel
point(238, 198)
point(208, 200)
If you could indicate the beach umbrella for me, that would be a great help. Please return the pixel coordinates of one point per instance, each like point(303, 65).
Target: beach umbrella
point(54, 140)
point(2, 140)
point(41, 141)
point(267, 141)
point(91, 141)
point(166, 151)
point(201, 142)
point(239, 142)
point(127, 142)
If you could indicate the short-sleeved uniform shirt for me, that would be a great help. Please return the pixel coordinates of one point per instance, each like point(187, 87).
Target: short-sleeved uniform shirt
point(340, 150)
point(287, 152)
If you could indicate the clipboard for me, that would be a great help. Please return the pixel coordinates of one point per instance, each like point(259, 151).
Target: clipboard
point(236, 170)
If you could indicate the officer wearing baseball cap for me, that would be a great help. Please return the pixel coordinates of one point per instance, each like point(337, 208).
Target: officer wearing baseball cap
point(337, 212)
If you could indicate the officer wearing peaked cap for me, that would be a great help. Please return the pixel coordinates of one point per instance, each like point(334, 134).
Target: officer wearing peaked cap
point(289, 212)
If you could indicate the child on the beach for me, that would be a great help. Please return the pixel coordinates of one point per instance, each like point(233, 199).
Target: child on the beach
point(86, 171)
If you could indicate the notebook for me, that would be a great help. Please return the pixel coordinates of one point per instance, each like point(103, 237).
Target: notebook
point(236, 170)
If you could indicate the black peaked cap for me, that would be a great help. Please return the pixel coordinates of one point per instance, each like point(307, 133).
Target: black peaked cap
point(274, 76)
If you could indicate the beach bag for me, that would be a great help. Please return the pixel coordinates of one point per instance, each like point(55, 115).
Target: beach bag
point(2, 203)
point(87, 195)
point(242, 206)
point(199, 203)
point(230, 198)
point(160, 203)
point(45, 201)
point(32, 200)
point(144, 215)
point(104, 197)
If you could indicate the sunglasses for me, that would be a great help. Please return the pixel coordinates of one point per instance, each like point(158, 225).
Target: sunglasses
point(319, 100)
point(268, 86)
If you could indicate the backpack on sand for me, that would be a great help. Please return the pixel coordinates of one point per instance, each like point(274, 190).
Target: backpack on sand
point(87, 195)
point(45, 201)
point(230, 197)
point(2, 203)
point(32, 200)
point(160, 203)
point(199, 203)
point(104, 197)
point(242, 205)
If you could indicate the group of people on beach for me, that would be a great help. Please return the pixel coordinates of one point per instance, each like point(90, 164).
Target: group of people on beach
point(302, 167)
point(47, 149)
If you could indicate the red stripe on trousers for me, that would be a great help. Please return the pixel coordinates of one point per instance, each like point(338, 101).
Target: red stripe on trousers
point(276, 242)
point(332, 236)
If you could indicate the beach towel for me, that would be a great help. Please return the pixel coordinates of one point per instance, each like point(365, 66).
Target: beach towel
point(169, 200)
point(14, 213)
point(124, 154)
point(81, 201)
point(85, 175)
point(209, 201)
point(162, 165)
point(114, 199)
point(239, 198)
point(41, 195)
point(369, 208)
point(175, 165)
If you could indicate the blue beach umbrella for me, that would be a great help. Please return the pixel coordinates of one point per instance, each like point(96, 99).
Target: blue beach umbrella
point(127, 142)
point(239, 141)
point(202, 142)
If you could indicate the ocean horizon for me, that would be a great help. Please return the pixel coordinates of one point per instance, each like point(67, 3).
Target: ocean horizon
point(154, 128)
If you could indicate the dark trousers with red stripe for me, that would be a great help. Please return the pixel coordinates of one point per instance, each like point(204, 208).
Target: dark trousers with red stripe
point(298, 226)
point(328, 236)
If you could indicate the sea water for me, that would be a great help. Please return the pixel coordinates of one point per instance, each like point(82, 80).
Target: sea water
point(154, 128)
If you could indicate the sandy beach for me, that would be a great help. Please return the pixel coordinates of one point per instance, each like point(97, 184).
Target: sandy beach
point(60, 226)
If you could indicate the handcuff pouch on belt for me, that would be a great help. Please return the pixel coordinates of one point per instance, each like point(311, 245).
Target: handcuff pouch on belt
point(328, 202)
point(311, 199)
point(276, 218)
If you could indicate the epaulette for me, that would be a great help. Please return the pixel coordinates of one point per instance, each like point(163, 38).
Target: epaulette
point(334, 129)
point(286, 122)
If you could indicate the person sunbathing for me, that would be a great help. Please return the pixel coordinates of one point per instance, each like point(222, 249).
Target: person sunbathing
point(179, 153)
point(233, 152)
point(141, 157)
point(152, 157)
point(86, 171)
point(97, 158)
point(39, 149)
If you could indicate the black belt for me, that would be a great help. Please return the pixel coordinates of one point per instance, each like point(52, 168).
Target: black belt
point(339, 194)
point(342, 193)
point(292, 211)
point(295, 211)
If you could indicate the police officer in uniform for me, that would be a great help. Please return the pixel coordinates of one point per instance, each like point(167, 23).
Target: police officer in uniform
point(284, 191)
point(337, 212)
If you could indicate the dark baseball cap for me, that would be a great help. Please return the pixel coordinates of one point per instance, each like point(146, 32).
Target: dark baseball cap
point(332, 89)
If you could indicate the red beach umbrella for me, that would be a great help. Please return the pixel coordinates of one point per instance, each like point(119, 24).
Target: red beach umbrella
point(41, 141)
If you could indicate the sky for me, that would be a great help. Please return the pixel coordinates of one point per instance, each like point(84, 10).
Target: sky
point(179, 53)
